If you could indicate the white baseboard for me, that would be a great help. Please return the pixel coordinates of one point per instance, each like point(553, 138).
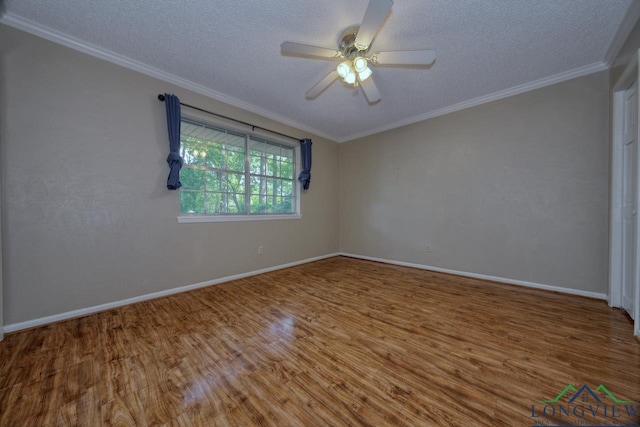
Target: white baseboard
point(103, 307)
point(571, 291)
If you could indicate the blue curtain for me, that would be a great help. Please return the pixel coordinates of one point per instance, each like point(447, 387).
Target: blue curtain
point(172, 103)
point(305, 175)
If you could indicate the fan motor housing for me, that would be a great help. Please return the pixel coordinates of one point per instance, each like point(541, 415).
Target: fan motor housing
point(347, 43)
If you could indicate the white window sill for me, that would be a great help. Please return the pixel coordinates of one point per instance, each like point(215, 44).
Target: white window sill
point(186, 219)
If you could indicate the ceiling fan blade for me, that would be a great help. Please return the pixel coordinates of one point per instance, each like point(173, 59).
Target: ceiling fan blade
point(373, 19)
point(370, 90)
point(322, 84)
point(405, 57)
point(308, 50)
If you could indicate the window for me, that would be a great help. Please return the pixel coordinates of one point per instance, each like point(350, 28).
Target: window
point(231, 174)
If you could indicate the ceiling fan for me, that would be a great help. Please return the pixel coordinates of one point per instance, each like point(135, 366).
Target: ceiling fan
point(354, 45)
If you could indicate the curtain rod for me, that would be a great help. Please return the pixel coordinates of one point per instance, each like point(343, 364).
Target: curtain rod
point(254, 127)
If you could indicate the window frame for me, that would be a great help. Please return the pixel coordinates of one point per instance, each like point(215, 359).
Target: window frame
point(235, 217)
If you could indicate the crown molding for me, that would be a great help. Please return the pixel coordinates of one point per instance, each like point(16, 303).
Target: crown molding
point(516, 90)
point(625, 28)
point(81, 46)
point(115, 58)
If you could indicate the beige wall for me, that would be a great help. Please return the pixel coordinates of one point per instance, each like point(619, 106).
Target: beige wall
point(87, 216)
point(516, 188)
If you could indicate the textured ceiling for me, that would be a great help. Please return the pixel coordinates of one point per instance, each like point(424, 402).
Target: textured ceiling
point(233, 48)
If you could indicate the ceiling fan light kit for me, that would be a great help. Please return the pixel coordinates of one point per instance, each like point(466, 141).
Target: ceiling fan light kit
point(345, 71)
point(354, 44)
point(348, 69)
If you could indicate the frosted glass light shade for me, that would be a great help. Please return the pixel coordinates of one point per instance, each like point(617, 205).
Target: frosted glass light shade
point(343, 69)
point(360, 64)
point(351, 77)
point(365, 74)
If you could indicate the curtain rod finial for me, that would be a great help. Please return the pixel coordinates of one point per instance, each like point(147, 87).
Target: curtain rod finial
point(161, 97)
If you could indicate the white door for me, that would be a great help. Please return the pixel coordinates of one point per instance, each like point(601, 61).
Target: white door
point(629, 200)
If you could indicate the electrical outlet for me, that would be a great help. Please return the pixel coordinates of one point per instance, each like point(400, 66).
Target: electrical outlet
point(428, 248)
point(260, 250)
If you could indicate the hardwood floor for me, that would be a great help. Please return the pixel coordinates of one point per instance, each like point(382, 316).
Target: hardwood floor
point(335, 342)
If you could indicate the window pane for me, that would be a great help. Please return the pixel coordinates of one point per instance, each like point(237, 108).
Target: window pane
point(213, 203)
point(213, 175)
point(193, 153)
point(235, 183)
point(191, 202)
point(273, 187)
point(287, 204)
point(287, 188)
point(258, 161)
point(216, 159)
point(270, 158)
point(231, 141)
point(286, 169)
point(235, 160)
point(192, 179)
point(272, 165)
point(256, 144)
point(286, 154)
point(216, 181)
point(259, 185)
point(224, 182)
point(236, 204)
point(271, 204)
point(211, 147)
point(258, 204)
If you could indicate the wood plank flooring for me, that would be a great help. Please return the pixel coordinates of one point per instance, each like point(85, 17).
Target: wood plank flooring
point(335, 342)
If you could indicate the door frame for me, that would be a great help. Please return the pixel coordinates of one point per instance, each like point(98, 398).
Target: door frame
point(626, 79)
